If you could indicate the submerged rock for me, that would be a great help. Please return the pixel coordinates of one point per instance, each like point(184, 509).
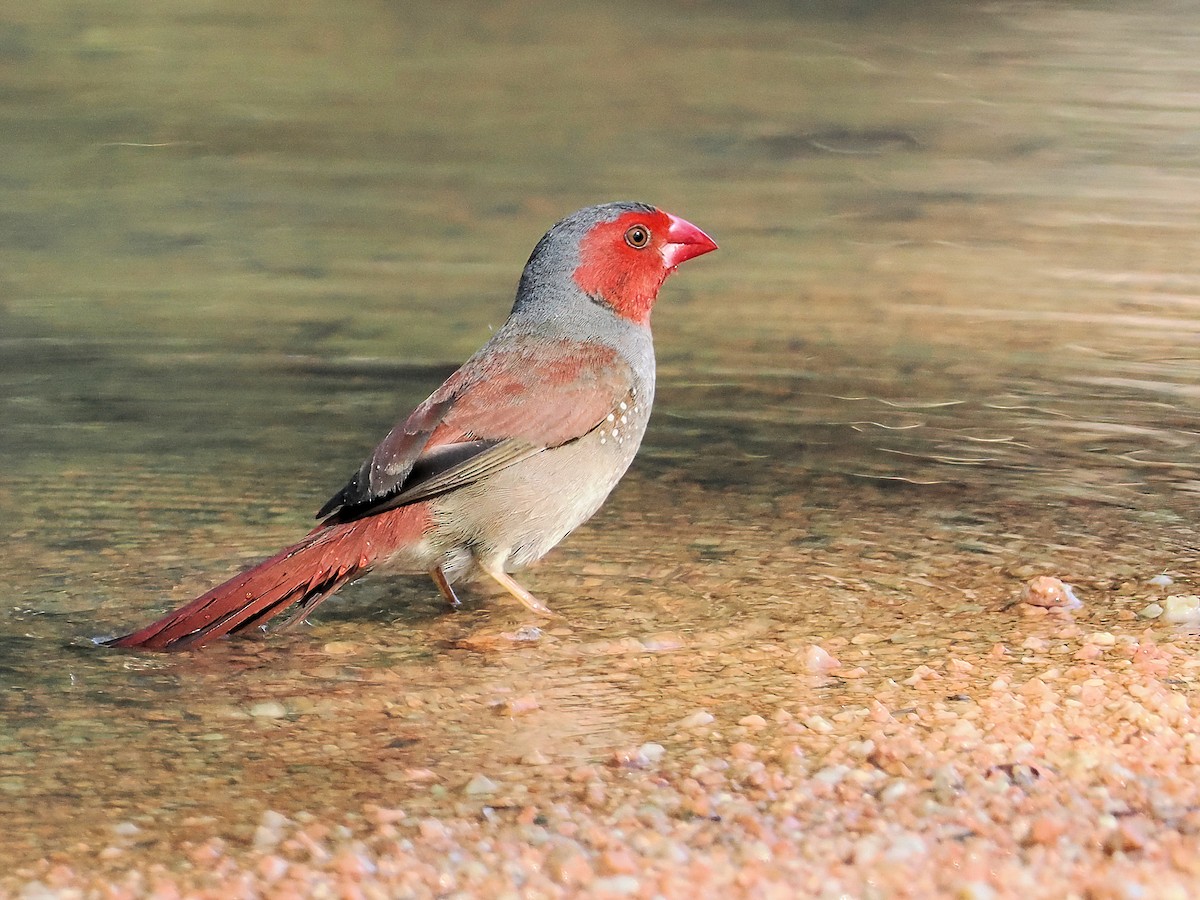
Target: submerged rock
point(1049, 592)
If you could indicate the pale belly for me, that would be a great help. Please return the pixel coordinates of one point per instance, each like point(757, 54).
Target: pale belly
point(518, 515)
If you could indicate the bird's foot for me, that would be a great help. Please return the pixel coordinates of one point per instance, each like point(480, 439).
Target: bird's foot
point(530, 602)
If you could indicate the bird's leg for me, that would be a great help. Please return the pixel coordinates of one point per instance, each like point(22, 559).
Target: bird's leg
point(530, 602)
point(444, 588)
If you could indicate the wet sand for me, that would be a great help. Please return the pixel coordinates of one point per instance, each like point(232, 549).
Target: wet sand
point(948, 346)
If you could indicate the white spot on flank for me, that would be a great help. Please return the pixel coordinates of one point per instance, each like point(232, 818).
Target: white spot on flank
point(624, 405)
point(611, 417)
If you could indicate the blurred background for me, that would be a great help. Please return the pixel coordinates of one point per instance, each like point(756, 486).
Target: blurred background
point(996, 198)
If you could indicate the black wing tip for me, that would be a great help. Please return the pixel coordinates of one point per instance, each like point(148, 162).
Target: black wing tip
point(341, 500)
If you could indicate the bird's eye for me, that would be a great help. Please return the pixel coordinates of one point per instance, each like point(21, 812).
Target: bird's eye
point(637, 237)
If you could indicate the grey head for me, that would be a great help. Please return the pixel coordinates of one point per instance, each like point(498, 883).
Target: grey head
point(546, 279)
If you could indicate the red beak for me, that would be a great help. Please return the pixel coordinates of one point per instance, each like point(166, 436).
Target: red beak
point(685, 241)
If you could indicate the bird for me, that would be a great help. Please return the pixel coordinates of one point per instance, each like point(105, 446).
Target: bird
point(522, 444)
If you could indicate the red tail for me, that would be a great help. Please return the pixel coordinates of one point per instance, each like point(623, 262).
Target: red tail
point(305, 573)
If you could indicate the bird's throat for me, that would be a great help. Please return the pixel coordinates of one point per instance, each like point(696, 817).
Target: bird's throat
point(630, 293)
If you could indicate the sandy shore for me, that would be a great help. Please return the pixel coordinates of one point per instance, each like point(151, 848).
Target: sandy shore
point(1039, 758)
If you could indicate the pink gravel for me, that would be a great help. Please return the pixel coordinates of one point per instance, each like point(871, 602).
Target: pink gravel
point(1057, 761)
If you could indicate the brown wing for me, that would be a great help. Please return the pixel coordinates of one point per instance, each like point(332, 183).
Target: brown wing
point(501, 407)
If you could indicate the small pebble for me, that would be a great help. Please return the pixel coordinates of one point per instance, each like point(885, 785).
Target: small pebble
point(524, 635)
point(1181, 609)
point(618, 862)
point(697, 719)
point(818, 724)
point(268, 709)
point(652, 752)
point(480, 785)
point(567, 865)
point(487, 640)
point(419, 776)
point(432, 830)
point(270, 831)
point(865, 637)
point(743, 750)
point(517, 706)
point(818, 660)
point(831, 775)
point(662, 642)
point(616, 884)
point(1049, 592)
point(272, 868)
point(639, 758)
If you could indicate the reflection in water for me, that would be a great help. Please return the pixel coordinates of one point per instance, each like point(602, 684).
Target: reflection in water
point(950, 345)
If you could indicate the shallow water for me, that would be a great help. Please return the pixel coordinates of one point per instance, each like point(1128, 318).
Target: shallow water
point(950, 342)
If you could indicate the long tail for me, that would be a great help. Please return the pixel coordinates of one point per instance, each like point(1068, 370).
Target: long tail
point(306, 573)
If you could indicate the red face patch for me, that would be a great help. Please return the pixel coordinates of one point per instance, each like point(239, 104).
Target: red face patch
point(622, 262)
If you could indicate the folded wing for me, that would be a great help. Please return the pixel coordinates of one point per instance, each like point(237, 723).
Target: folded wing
point(497, 410)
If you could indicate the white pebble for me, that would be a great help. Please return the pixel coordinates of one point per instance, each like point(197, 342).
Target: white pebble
point(818, 660)
point(651, 752)
point(831, 775)
point(270, 830)
point(818, 724)
point(697, 719)
point(268, 709)
point(1182, 608)
point(273, 819)
point(480, 785)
